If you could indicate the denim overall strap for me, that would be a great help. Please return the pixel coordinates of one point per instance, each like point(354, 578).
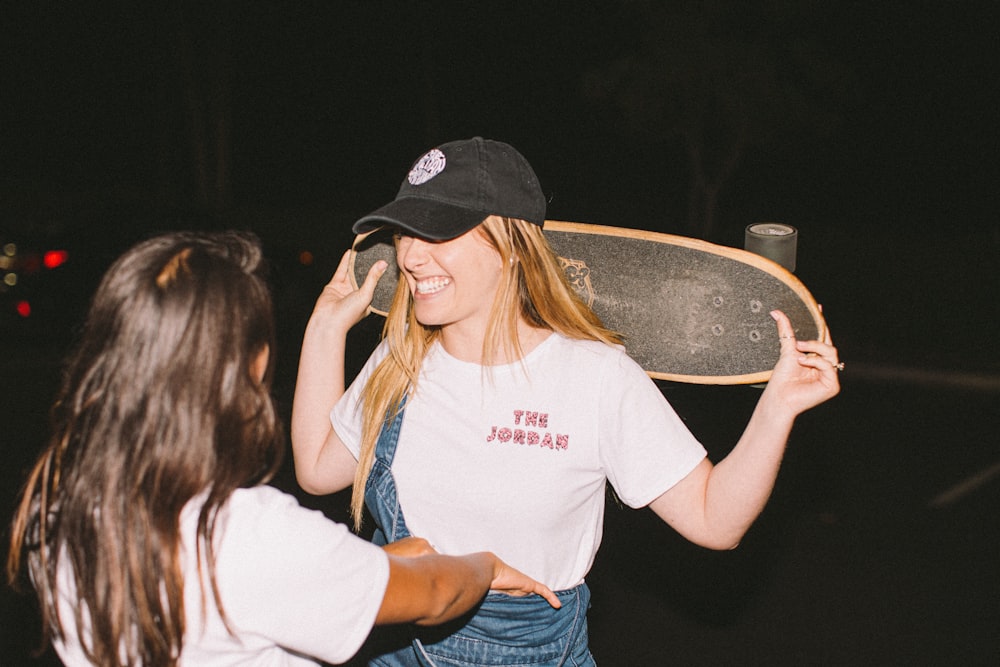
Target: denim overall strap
point(380, 488)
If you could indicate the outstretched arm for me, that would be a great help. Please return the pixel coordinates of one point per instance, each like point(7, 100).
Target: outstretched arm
point(430, 589)
point(322, 463)
point(714, 506)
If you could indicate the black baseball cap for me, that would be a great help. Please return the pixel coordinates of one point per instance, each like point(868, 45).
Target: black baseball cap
point(454, 187)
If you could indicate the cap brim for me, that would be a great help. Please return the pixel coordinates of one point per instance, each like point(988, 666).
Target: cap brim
point(421, 217)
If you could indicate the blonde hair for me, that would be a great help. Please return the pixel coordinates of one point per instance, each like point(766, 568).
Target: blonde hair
point(533, 288)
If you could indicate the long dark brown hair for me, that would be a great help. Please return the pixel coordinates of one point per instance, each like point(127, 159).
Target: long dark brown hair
point(158, 404)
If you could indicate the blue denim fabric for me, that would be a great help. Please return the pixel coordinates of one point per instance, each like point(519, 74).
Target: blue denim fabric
point(504, 630)
point(380, 489)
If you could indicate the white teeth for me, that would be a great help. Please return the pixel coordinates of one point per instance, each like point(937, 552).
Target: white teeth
point(431, 285)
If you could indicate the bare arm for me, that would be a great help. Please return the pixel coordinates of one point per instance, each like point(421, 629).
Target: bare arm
point(432, 589)
point(322, 462)
point(714, 506)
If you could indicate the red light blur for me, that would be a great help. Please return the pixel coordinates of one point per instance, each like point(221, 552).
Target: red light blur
point(54, 258)
point(23, 308)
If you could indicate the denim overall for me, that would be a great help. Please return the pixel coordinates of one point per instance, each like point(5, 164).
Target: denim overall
point(503, 630)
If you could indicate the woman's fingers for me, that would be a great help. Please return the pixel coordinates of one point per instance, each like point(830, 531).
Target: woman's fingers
point(371, 280)
point(507, 579)
point(786, 334)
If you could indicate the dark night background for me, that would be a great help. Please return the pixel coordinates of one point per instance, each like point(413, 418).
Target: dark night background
point(871, 127)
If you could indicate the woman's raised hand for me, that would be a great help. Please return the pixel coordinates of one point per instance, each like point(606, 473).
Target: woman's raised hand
point(342, 305)
point(806, 373)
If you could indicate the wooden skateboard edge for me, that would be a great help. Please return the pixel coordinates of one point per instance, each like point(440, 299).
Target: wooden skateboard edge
point(744, 256)
point(750, 378)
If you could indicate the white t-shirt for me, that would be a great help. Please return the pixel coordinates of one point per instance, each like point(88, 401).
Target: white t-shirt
point(513, 459)
point(294, 585)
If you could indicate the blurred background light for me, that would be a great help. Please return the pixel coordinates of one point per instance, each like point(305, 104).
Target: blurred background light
point(54, 258)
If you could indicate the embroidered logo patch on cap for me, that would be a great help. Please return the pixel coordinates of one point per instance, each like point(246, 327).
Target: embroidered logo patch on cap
point(427, 167)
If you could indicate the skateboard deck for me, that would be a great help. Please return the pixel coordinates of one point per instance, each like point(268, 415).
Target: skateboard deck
point(688, 310)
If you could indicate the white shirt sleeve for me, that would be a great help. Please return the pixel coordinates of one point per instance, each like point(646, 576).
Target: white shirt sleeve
point(291, 576)
point(345, 416)
point(645, 447)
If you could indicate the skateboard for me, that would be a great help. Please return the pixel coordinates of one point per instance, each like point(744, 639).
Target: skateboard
point(688, 310)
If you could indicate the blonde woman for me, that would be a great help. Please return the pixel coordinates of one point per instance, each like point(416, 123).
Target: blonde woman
point(145, 524)
point(498, 406)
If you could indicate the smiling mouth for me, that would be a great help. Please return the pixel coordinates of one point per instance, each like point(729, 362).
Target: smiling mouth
point(431, 285)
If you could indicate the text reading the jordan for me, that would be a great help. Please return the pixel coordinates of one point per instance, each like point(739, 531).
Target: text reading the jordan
point(529, 428)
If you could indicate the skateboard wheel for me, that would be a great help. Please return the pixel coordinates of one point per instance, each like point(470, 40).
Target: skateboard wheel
point(773, 240)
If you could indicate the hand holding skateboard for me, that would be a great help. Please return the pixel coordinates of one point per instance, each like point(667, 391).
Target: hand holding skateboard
point(806, 373)
point(343, 302)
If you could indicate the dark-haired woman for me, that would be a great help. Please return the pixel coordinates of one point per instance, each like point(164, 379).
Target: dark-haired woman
point(145, 526)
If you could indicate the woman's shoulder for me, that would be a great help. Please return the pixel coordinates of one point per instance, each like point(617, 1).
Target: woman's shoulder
point(267, 504)
point(586, 347)
point(262, 497)
point(593, 357)
point(273, 525)
point(259, 509)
